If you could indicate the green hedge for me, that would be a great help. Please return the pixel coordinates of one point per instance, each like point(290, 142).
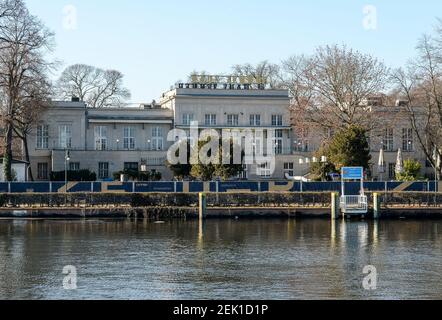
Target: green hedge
point(138, 176)
point(80, 175)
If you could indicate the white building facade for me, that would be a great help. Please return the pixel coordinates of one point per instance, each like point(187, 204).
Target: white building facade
point(111, 140)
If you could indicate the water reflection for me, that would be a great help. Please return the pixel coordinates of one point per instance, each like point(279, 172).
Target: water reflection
point(219, 259)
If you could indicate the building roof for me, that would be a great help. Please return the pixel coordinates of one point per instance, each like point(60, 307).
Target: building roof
point(14, 161)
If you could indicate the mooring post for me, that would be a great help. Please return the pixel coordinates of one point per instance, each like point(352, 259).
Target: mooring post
point(376, 206)
point(202, 205)
point(335, 208)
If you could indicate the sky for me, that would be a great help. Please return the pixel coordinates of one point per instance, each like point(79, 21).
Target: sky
point(156, 43)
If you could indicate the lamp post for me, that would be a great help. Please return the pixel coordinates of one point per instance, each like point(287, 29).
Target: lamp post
point(67, 158)
point(118, 144)
point(436, 159)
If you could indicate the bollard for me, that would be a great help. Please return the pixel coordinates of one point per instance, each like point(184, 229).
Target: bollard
point(335, 206)
point(202, 205)
point(376, 206)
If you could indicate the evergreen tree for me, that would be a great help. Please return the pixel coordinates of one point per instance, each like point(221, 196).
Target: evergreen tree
point(349, 148)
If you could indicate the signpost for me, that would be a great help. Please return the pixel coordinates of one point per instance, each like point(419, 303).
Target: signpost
point(351, 203)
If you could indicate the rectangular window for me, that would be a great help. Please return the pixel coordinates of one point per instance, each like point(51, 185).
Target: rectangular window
point(392, 171)
point(129, 138)
point(42, 171)
point(276, 120)
point(233, 120)
point(187, 118)
point(43, 137)
point(157, 138)
point(302, 143)
point(74, 166)
point(388, 140)
point(131, 166)
point(264, 170)
point(289, 168)
point(65, 136)
point(100, 138)
point(277, 141)
point(156, 161)
point(255, 120)
point(407, 140)
point(302, 146)
point(210, 119)
point(103, 170)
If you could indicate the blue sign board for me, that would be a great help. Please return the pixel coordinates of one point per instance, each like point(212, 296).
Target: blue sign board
point(352, 173)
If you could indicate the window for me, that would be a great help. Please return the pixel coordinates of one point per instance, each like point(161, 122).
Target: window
point(156, 161)
point(388, 140)
point(43, 137)
point(277, 141)
point(210, 119)
point(129, 138)
point(232, 120)
point(407, 139)
point(187, 119)
point(257, 146)
point(100, 138)
point(264, 170)
point(255, 120)
point(289, 168)
point(243, 174)
point(302, 146)
point(74, 166)
point(42, 171)
point(302, 143)
point(276, 120)
point(65, 136)
point(131, 166)
point(392, 171)
point(103, 170)
point(157, 138)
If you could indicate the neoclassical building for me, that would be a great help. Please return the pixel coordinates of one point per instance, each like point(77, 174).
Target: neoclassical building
point(135, 137)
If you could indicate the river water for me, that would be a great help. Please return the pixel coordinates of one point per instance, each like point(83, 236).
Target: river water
point(220, 259)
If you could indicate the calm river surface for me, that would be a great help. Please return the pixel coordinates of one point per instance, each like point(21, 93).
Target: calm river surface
point(222, 259)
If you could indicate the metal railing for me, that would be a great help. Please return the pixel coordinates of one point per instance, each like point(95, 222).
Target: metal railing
point(354, 204)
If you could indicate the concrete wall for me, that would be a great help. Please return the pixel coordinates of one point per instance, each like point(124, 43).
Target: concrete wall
point(19, 169)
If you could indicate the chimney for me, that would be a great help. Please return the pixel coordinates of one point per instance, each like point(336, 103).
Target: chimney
point(75, 99)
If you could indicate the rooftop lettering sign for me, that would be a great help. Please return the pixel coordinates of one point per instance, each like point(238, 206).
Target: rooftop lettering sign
point(229, 79)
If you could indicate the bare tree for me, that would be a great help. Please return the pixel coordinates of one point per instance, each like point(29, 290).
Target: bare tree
point(333, 88)
point(31, 109)
point(24, 41)
point(420, 85)
point(97, 87)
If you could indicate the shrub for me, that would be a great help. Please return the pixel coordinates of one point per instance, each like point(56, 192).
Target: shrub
point(411, 172)
point(134, 175)
point(80, 175)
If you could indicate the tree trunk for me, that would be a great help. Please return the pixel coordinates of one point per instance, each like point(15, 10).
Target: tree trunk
point(27, 158)
point(7, 157)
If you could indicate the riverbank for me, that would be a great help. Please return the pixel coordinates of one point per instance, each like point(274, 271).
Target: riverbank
point(160, 206)
point(166, 213)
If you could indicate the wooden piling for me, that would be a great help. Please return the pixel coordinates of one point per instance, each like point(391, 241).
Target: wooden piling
point(202, 205)
point(335, 206)
point(376, 206)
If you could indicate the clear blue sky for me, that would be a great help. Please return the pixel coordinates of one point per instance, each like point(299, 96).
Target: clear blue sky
point(155, 43)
